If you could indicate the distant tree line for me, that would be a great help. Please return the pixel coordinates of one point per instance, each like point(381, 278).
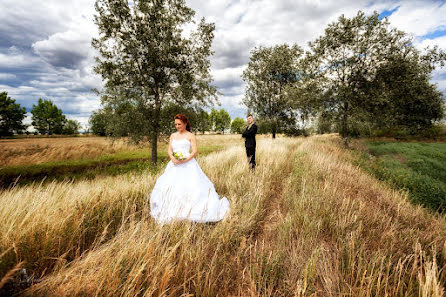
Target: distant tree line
point(46, 117)
point(359, 78)
point(110, 121)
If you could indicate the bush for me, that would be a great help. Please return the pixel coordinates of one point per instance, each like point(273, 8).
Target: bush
point(404, 132)
point(293, 131)
point(399, 132)
point(432, 132)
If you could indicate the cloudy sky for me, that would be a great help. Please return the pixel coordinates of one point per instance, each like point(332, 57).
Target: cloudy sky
point(45, 49)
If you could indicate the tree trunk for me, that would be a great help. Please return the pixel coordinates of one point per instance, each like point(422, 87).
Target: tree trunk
point(344, 129)
point(156, 124)
point(344, 120)
point(274, 131)
point(154, 141)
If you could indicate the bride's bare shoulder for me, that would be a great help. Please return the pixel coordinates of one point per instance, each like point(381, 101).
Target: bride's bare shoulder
point(191, 136)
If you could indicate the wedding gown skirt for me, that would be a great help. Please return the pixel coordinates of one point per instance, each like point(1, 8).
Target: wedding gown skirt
point(184, 192)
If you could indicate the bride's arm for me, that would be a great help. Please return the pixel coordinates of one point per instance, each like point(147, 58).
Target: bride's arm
point(170, 151)
point(193, 144)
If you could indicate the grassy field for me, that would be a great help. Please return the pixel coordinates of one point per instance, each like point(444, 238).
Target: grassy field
point(28, 160)
point(27, 151)
point(418, 167)
point(307, 222)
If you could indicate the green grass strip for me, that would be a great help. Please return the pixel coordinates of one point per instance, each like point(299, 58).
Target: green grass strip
point(418, 168)
point(108, 164)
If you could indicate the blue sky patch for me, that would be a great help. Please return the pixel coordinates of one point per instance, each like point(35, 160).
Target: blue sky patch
point(439, 32)
point(386, 13)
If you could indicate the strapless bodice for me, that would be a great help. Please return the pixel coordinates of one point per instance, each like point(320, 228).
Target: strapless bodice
point(181, 145)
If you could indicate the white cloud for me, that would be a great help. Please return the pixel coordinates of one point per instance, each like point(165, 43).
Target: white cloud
point(18, 61)
point(71, 48)
point(53, 58)
point(27, 21)
point(7, 76)
point(439, 41)
point(439, 75)
point(419, 17)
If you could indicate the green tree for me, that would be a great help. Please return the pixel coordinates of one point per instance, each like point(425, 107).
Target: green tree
point(324, 123)
point(269, 73)
point(203, 121)
point(120, 114)
point(72, 127)
point(98, 122)
point(348, 57)
point(213, 118)
point(47, 118)
point(147, 61)
point(224, 121)
point(237, 125)
point(168, 113)
point(263, 125)
point(11, 115)
point(220, 120)
point(406, 99)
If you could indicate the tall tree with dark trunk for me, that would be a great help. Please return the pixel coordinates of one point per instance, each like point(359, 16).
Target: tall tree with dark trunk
point(148, 61)
point(270, 70)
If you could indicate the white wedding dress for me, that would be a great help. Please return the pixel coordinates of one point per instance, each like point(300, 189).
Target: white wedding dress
point(184, 192)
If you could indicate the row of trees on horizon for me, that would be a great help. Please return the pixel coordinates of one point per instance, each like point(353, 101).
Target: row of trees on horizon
point(201, 121)
point(48, 119)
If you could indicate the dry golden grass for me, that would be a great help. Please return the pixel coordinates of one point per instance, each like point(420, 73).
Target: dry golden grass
point(39, 150)
point(69, 211)
point(340, 232)
point(306, 223)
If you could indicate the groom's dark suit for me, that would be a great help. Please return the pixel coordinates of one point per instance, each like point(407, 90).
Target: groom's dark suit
point(250, 144)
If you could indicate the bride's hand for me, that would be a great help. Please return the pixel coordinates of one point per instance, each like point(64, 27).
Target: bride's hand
point(175, 161)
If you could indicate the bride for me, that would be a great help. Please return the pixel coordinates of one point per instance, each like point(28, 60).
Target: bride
point(183, 191)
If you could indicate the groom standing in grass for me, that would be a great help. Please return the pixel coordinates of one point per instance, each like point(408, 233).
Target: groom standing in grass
point(250, 141)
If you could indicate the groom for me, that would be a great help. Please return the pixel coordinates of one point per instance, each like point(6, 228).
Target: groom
point(250, 141)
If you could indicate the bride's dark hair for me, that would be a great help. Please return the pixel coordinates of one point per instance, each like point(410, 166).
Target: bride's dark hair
point(184, 119)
